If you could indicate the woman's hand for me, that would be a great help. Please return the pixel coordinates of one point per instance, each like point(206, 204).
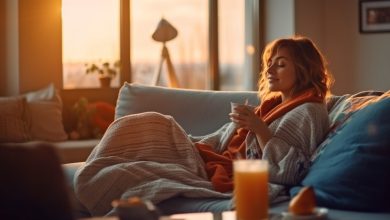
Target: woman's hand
point(245, 117)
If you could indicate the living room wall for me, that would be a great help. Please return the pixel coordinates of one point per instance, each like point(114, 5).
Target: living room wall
point(358, 61)
point(279, 19)
point(2, 47)
point(32, 42)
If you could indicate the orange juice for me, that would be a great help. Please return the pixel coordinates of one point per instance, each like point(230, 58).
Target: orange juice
point(251, 189)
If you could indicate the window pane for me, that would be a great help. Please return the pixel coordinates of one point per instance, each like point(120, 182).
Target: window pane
point(90, 34)
point(188, 51)
point(232, 44)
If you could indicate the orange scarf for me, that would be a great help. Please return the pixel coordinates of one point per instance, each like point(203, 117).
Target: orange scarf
point(219, 167)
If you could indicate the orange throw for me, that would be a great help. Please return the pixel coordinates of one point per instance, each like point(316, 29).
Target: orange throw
point(219, 167)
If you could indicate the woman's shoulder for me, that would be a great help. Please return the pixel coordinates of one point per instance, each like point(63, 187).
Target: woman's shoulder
point(309, 112)
point(311, 106)
point(305, 116)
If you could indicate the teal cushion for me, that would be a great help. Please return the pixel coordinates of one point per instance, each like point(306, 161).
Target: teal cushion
point(353, 169)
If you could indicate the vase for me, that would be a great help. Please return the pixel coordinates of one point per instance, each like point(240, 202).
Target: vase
point(105, 81)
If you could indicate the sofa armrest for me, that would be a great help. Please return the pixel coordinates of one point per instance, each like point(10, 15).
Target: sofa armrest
point(78, 210)
point(70, 151)
point(75, 151)
point(199, 112)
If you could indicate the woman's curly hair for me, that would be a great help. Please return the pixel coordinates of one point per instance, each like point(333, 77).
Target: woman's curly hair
point(310, 66)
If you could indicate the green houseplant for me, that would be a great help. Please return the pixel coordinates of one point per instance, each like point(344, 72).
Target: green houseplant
point(105, 70)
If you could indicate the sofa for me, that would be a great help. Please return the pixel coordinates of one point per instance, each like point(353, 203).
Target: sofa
point(349, 172)
point(37, 116)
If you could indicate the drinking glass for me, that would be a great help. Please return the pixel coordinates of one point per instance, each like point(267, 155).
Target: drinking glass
point(251, 189)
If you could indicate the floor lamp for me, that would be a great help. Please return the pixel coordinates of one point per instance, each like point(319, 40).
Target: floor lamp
point(163, 33)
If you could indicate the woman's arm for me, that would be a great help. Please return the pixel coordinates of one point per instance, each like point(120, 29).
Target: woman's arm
point(245, 117)
point(288, 142)
point(295, 137)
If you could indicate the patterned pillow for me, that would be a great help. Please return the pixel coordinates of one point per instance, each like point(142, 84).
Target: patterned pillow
point(14, 126)
point(351, 169)
point(340, 108)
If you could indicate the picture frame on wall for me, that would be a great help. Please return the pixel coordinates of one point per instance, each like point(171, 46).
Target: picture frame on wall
point(374, 16)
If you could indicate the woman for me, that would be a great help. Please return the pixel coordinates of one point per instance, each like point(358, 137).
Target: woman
point(290, 122)
point(149, 154)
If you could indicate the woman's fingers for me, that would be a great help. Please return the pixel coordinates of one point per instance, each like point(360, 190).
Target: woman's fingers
point(238, 118)
point(244, 109)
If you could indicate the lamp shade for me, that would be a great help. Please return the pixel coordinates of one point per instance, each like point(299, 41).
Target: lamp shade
point(164, 31)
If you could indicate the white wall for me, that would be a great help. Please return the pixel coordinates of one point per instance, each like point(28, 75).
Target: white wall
point(11, 58)
point(279, 19)
point(310, 20)
point(3, 67)
point(32, 43)
point(341, 36)
point(358, 61)
point(359, 58)
point(373, 62)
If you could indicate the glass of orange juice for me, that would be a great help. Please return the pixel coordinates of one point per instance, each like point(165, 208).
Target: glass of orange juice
point(251, 189)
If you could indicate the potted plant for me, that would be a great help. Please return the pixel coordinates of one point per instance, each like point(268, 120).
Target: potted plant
point(105, 70)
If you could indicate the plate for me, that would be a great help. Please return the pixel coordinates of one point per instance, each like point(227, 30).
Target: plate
point(319, 213)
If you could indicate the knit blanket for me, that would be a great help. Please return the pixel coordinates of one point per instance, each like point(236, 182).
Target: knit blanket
point(146, 155)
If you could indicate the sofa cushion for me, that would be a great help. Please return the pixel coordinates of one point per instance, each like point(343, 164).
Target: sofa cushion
point(352, 169)
point(14, 126)
point(199, 112)
point(340, 107)
point(45, 111)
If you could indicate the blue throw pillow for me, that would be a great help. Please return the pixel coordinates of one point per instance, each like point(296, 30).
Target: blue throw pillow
point(353, 170)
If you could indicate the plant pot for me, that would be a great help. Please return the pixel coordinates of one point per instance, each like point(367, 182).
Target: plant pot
point(105, 81)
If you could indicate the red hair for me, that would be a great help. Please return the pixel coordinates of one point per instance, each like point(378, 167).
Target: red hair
point(310, 66)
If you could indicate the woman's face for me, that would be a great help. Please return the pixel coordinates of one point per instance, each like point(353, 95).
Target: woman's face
point(281, 74)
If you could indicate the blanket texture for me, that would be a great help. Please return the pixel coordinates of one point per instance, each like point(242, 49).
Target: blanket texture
point(147, 155)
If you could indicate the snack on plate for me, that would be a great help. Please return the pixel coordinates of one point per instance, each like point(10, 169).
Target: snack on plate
point(304, 203)
point(135, 208)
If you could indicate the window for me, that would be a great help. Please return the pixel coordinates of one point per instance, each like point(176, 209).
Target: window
point(90, 35)
point(188, 51)
point(231, 41)
point(92, 28)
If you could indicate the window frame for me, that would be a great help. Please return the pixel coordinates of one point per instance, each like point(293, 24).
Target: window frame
point(253, 36)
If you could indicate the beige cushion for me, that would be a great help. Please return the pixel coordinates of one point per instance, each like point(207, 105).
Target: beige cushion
point(13, 120)
point(45, 111)
point(47, 93)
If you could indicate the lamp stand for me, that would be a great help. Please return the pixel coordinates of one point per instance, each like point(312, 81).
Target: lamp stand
point(172, 79)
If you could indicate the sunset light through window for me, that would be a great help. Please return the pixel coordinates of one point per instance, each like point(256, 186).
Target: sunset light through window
point(91, 31)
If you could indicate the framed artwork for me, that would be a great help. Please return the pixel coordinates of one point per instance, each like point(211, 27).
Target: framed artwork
point(374, 16)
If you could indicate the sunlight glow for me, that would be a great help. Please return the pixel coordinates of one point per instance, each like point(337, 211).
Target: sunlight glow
point(90, 30)
point(91, 34)
point(188, 51)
